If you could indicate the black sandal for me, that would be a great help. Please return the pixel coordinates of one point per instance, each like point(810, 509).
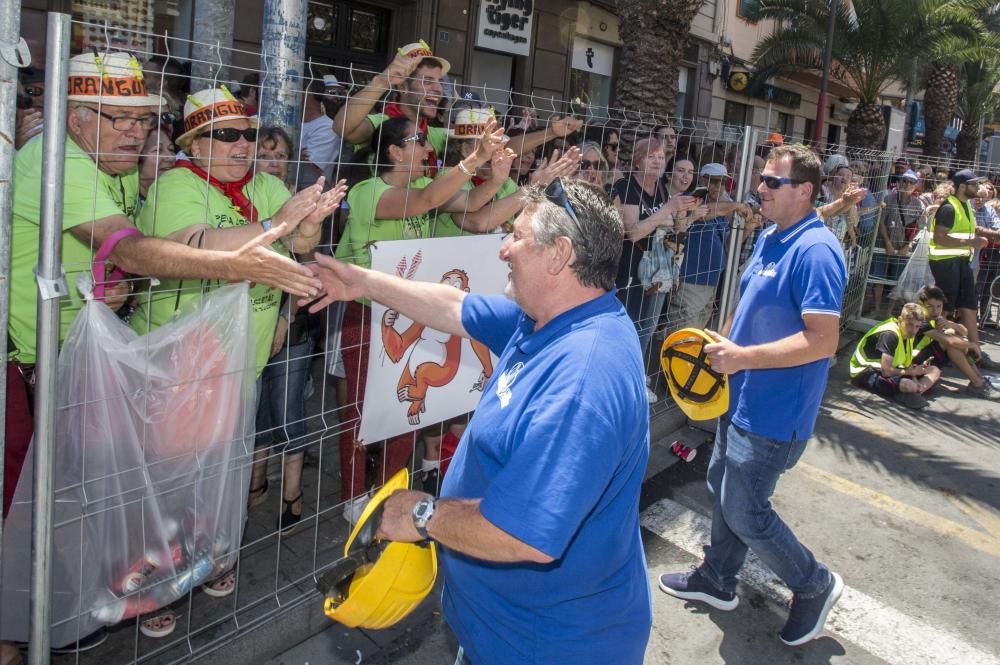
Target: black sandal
point(257, 495)
point(289, 520)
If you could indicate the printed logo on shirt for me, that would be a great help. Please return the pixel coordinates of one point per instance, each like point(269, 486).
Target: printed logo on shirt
point(768, 271)
point(505, 381)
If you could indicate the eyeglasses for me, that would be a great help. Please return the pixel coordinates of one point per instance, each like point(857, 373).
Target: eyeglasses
point(588, 164)
point(34, 91)
point(231, 134)
point(613, 146)
point(419, 137)
point(168, 118)
point(557, 194)
point(774, 182)
point(124, 123)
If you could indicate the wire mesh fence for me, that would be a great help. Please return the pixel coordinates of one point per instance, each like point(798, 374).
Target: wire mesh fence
point(288, 465)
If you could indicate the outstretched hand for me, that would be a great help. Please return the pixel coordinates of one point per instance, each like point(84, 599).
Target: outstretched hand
point(257, 262)
point(338, 281)
point(566, 165)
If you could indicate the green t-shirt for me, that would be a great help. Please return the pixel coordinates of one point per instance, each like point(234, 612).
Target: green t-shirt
point(445, 226)
point(363, 228)
point(179, 199)
point(437, 136)
point(89, 194)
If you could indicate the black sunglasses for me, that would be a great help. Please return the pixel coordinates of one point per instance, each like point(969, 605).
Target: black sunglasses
point(556, 193)
point(419, 137)
point(774, 182)
point(613, 146)
point(168, 118)
point(231, 134)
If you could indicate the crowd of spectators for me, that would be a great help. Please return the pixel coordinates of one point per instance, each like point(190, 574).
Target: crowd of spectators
point(414, 164)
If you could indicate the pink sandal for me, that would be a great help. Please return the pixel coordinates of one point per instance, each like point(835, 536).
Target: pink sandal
point(221, 586)
point(158, 625)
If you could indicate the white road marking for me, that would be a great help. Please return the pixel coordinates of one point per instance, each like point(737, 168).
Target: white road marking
point(878, 629)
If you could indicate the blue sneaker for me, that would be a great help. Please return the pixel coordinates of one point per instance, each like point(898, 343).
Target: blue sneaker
point(807, 616)
point(694, 586)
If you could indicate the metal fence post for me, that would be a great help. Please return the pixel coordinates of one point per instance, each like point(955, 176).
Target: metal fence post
point(49, 273)
point(10, 42)
point(731, 286)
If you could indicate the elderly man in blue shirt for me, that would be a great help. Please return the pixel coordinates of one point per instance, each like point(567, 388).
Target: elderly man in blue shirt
point(538, 519)
point(775, 349)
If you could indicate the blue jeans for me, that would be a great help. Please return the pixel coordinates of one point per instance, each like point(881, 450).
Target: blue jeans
point(652, 307)
point(742, 474)
point(281, 408)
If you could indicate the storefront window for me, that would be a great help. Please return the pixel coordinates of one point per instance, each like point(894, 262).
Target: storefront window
point(735, 114)
point(112, 24)
point(591, 75)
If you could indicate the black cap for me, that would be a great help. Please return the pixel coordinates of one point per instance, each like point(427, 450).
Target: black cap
point(966, 177)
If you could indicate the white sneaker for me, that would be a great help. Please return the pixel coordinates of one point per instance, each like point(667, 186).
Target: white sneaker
point(651, 396)
point(354, 507)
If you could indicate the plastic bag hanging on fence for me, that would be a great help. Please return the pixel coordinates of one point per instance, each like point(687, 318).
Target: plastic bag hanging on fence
point(917, 272)
point(154, 438)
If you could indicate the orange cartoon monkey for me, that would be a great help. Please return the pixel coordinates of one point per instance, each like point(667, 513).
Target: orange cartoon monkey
point(434, 356)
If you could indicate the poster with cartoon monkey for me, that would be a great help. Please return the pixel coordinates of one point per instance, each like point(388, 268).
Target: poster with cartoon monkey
point(418, 376)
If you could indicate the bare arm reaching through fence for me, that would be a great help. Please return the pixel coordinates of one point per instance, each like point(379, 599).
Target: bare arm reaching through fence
point(254, 261)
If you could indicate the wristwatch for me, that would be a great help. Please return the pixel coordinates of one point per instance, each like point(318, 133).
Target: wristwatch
point(423, 511)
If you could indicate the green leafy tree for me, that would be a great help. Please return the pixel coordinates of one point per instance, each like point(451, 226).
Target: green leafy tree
point(874, 45)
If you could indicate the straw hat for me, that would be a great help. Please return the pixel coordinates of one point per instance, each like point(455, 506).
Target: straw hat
point(470, 123)
point(422, 50)
point(204, 107)
point(109, 79)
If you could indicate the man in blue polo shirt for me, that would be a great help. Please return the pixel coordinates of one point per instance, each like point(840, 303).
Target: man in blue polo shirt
point(538, 519)
point(780, 339)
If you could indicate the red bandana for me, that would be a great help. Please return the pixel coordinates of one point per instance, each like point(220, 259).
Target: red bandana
point(394, 110)
point(232, 190)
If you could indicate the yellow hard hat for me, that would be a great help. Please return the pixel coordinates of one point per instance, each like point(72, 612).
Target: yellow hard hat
point(701, 392)
point(377, 583)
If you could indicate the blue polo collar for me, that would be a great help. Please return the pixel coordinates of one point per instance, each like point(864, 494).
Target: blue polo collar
point(533, 341)
point(809, 221)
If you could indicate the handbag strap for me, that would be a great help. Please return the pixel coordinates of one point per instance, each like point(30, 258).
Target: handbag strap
point(103, 252)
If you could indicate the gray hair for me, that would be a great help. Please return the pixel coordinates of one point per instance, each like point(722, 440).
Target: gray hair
point(597, 241)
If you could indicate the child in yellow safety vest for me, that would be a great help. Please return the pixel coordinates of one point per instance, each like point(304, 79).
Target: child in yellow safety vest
point(884, 362)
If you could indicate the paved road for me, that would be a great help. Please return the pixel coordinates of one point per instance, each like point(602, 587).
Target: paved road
point(904, 505)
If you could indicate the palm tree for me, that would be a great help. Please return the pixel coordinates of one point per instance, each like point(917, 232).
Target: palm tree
point(959, 33)
point(654, 34)
point(873, 47)
point(978, 101)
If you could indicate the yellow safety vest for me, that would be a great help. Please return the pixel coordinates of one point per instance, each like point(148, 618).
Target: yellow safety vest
point(964, 228)
point(902, 355)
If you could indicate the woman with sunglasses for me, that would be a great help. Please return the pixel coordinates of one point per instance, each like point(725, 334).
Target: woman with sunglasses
point(396, 204)
point(216, 201)
point(593, 166)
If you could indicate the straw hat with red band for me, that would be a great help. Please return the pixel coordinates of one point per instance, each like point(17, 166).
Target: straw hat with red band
point(108, 79)
point(422, 50)
point(471, 123)
point(203, 108)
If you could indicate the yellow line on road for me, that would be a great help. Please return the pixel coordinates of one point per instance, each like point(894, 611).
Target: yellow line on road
point(988, 543)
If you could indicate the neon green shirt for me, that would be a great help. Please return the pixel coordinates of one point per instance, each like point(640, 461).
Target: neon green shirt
point(445, 226)
point(363, 227)
point(179, 199)
point(89, 194)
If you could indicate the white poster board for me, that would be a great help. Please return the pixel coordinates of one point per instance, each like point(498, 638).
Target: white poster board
point(505, 25)
point(418, 376)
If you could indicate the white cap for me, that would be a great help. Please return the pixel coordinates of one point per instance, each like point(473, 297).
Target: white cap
point(714, 170)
